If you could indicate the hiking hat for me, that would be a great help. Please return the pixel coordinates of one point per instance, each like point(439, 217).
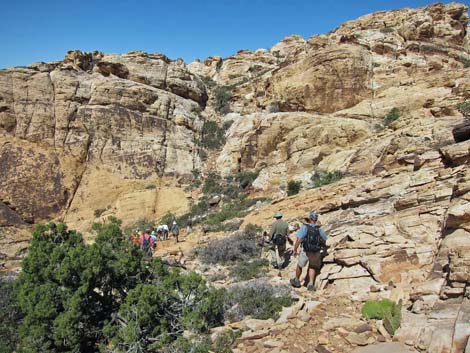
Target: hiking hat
point(312, 216)
point(278, 215)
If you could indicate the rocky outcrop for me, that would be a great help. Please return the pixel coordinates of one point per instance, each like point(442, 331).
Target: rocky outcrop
point(376, 101)
point(286, 144)
point(134, 115)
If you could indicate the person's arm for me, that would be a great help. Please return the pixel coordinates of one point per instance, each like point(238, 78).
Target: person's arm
point(296, 246)
point(299, 236)
point(323, 234)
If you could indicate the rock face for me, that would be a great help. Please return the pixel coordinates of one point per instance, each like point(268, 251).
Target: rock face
point(118, 134)
point(132, 116)
point(283, 144)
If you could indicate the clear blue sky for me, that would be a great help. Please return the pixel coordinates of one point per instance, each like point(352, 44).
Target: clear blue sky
point(43, 30)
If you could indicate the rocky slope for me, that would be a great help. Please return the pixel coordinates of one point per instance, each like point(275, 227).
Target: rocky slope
point(120, 134)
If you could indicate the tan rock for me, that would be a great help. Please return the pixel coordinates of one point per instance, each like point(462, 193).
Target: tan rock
point(254, 335)
point(256, 325)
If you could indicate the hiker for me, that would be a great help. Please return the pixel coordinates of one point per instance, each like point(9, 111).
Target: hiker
point(139, 238)
point(165, 231)
point(153, 240)
point(312, 237)
point(189, 225)
point(144, 241)
point(134, 237)
point(161, 232)
point(278, 239)
point(175, 230)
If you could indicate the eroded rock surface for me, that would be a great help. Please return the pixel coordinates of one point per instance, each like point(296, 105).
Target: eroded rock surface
point(120, 133)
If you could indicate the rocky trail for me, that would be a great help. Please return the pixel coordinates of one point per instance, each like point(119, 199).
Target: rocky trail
point(370, 121)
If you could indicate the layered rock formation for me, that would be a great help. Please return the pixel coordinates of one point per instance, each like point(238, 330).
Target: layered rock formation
point(119, 133)
point(78, 134)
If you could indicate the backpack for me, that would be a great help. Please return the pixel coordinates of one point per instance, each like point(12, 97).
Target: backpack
point(279, 239)
point(313, 241)
point(146, 242)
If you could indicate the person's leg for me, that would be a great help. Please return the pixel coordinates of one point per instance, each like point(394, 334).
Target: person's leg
point(311, 276)
point(281, 250)
point(314, 265)
point(303, 260)
point(272, 252)
point(298, 272)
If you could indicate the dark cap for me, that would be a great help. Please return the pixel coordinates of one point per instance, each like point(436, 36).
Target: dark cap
point(312, 216)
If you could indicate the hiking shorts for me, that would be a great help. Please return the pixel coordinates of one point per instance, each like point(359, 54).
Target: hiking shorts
point(313, 259)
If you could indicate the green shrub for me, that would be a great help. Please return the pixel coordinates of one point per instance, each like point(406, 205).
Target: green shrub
point(168, 218)
point(373, 309)
point(212, 184)
point(98, 212)
point(71, 293)
point(252, 230)
point(227, 124)
point(213, 136)
point(320, 178)
point(195, 180)
point(234, 209)
point(203, 344)
point(385, 310)
point(225, 342)
point(142, 224)
point(387, 30)
point(196, 212)
point(392, 320)
point(203, 154)
point(246, 270)
point(464, 108)
point(223, 95)
point(256, 299)
point(391, 116)
point(293, 187)
point(10, 318)
point(208, 81)
point(464, 60)
point(246, 178)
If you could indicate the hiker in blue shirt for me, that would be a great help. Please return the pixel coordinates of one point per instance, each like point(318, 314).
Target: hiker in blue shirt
point(312, 237)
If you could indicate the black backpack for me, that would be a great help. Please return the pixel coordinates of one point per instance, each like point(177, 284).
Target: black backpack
point(279, 239)
point(313, 241)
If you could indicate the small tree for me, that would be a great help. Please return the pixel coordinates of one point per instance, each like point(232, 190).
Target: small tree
point(464, 108)
point(10, 318)
point(293, 187)
point(391, 116)
point(223, 95)
point(213, 136)
point(104, 296)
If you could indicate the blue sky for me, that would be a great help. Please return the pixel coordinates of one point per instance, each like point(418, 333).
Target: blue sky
point(43, 30)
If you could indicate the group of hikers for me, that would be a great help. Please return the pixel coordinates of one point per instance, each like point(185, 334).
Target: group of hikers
point(147, 240)
point(309, 247)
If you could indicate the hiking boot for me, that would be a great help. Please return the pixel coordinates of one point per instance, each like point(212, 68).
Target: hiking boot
point(311, 287)
point(295, 282)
